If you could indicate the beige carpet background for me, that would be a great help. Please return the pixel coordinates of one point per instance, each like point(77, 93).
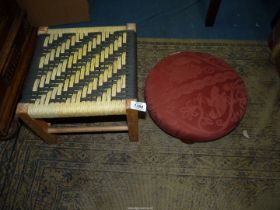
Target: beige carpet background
point(107, 172)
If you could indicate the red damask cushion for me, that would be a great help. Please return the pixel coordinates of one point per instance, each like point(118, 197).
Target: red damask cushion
point(195, 96)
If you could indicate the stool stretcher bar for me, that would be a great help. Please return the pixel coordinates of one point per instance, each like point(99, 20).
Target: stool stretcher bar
point(46, 131)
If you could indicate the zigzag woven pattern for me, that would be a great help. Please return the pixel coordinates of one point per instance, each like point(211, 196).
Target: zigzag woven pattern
point(81, 67)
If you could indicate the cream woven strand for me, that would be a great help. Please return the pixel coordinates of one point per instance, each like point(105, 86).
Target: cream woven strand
point(108, 29)
point(82, 109)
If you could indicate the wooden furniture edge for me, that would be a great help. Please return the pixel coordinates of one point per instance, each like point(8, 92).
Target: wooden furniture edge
point(131, 26)
point(132, 122)
point(86, 129)
point(212, 12)
point(40, 127)
point(42, 30)
point(7, 111)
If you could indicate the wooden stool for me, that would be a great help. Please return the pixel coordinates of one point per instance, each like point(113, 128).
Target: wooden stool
point(81, 72)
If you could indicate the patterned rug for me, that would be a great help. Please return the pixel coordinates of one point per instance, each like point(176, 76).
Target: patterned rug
point(107, 172)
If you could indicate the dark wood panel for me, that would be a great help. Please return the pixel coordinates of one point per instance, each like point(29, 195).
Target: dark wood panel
point(17, 41)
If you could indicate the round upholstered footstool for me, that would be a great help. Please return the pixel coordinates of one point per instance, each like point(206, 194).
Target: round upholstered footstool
point(195, 96)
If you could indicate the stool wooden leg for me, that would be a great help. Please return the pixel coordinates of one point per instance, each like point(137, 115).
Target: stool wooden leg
point(40, 127)
point(132, 123)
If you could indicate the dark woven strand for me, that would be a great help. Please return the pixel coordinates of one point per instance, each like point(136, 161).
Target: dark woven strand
point(131, 70)
point(35, 72)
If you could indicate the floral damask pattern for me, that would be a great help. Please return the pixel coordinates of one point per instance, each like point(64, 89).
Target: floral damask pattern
point(195, 96)
point(224, 105)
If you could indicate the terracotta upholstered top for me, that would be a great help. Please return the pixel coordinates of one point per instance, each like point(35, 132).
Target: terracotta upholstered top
point(195, 96)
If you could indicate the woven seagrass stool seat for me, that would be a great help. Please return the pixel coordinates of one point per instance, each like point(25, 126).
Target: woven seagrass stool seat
point(195, 96)
point(81, 72)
